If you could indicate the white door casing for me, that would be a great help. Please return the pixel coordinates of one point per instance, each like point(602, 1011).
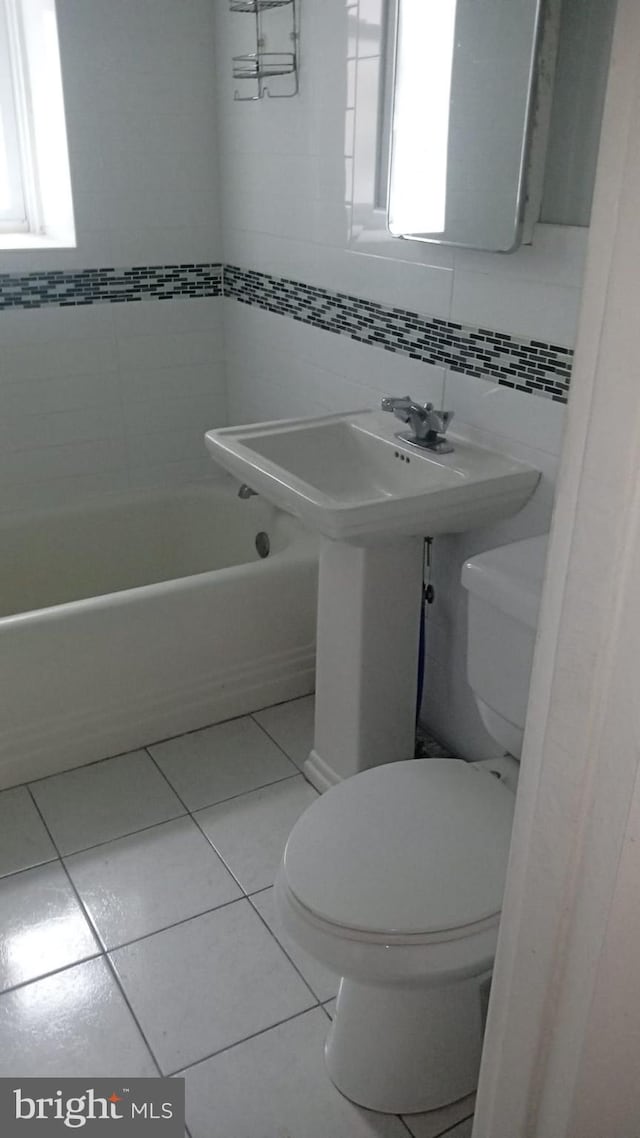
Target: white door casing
point(562, 1049)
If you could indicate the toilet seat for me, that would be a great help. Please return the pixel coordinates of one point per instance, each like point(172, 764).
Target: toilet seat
point(408, 853)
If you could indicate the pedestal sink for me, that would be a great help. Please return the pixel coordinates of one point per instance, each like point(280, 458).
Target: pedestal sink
point(374, 498)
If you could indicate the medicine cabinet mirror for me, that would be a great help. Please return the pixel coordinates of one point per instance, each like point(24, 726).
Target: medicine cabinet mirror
point(488, 118)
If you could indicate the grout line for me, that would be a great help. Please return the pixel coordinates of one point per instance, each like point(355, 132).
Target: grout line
point(247, 896)
point(407, 1127)
point(231, 1046)
point(135, 750)
point(440, 1133)
point(281, 703)
point(159, 742)
point(98, 955)
point(453, 1126)
point(121, 837)
point(274, 740)
point(27, 868)
point(174, 924)
point(276, 744)
point(241, 794)
point(185, 813)
point(196, 823)
point(201, 809)
point(104, 956)
point(283, 949)
point(257, 892)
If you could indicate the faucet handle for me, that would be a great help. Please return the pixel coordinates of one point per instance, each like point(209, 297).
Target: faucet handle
point(390, 402)
point(404, 407)
point(440, 420)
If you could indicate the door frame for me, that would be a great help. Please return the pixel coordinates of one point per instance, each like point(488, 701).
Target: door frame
point(562, 1047)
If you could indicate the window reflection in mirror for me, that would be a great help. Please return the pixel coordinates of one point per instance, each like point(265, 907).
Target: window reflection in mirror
point(454, 164)
point(463, 94)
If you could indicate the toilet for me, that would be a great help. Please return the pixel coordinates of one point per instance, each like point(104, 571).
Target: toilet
point(394, 878)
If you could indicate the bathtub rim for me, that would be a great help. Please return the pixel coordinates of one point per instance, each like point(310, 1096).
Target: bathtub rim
point(303, 544)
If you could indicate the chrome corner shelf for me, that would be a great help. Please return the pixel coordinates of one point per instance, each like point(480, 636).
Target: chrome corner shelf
point(261, 65)
point(253, 6)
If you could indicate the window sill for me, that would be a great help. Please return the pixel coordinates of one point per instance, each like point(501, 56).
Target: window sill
point(25, 241)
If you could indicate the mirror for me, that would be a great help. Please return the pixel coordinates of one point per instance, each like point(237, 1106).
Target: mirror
point(463, 93)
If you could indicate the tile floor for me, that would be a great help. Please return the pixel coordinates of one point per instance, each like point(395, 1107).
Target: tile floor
point(138, 934)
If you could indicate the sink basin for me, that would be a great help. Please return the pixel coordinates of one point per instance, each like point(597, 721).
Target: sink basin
point(349, 477)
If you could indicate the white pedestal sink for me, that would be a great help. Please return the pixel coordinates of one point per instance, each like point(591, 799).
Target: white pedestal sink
point(374, 498)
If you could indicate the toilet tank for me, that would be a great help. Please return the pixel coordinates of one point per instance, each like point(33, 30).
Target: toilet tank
point(504, 587)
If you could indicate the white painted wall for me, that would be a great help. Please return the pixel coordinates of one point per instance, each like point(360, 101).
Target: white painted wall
point(97, 398)
point(286, 202)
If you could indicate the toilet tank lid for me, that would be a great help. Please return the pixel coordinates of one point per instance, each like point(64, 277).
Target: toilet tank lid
point(510, 578)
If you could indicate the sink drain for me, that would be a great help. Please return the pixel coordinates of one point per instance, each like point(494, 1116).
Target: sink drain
point(263, 545)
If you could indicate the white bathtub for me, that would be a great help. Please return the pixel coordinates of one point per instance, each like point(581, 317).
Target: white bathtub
point(143, 616)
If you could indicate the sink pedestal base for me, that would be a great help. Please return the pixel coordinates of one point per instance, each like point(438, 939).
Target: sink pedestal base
point(369, 601)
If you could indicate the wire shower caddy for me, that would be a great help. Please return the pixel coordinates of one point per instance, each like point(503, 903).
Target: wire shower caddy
point(261, 65)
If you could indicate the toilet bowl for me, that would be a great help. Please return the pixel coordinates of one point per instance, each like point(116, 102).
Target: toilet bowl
point(394, 880)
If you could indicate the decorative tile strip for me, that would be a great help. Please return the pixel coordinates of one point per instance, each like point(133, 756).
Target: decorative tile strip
point(74, 287)
point(530, 366)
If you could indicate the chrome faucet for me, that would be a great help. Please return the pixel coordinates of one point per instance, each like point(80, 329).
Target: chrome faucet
point(428, 426)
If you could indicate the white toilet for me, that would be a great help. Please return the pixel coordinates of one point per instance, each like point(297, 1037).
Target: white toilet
point(394, 878)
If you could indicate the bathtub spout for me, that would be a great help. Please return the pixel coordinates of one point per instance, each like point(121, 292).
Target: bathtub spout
point(246, 491)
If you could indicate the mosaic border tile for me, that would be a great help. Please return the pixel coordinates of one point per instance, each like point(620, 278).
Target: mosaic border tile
point(530, 366)
point(74, 287)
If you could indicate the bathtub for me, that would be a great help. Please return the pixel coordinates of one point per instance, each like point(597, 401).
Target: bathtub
point(143, 616)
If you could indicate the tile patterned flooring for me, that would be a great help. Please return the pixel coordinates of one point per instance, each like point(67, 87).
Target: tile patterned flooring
point(138, 934)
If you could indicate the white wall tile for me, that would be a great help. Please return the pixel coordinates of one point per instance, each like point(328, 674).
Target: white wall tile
point(168, 349)
point(30, 326)
point(48, 360)
point(139, 84)
point(52, 396)
point(96, 398)
point(527, 308)
point(556, 255)
point(530, 419)
point(28, 432)
point(25, 497)
point(164, 245)
point(178, 414)
point(154, 448)
point(44, 463)
point(150, 318)
point(170, 474)
point(183, 382)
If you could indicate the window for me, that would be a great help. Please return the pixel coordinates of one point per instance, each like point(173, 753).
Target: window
point(35, 188)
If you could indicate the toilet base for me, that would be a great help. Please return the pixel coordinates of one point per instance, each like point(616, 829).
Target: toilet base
point(401, 1050)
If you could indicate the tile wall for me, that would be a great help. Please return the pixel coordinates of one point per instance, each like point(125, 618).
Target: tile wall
point(96, 398)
